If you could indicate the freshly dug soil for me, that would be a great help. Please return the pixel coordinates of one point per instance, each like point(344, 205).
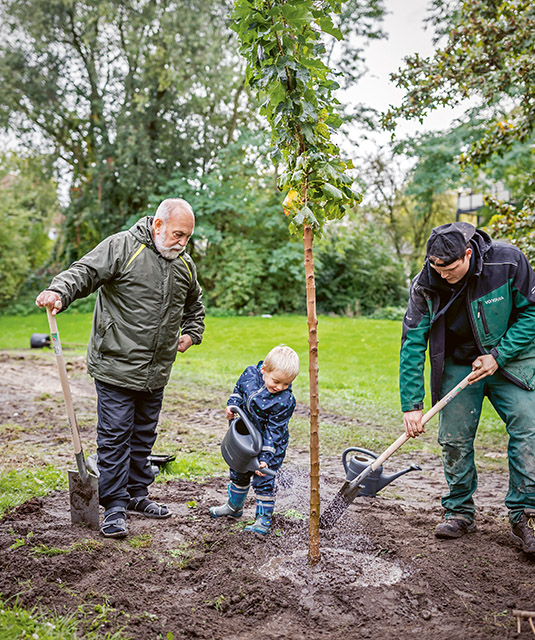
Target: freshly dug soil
point(382, 573)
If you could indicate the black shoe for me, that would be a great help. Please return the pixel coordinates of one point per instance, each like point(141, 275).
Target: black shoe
point(523, 531)
point(114, 524)
point(454, 528)
point(149, 508)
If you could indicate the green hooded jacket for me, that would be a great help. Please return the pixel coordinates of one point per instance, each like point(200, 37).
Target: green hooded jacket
point(144, 303)
point(500, 302)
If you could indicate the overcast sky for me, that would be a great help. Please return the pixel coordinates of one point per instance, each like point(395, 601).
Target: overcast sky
point(407, 34)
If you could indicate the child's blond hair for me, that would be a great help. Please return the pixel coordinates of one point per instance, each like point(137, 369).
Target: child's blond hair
point(284, 359)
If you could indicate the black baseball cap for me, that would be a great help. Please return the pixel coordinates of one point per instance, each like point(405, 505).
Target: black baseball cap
point(448, 242)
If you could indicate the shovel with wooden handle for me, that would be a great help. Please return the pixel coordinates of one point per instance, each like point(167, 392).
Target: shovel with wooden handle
point(351, 489)
point(83, 486)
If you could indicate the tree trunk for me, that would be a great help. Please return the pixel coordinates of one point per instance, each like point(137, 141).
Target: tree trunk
point(313, 545)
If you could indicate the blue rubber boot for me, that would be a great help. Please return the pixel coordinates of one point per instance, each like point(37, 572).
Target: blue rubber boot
point(234, 505)
point(264, 513)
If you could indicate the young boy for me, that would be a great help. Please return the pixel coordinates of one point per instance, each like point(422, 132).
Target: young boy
point(264, 393)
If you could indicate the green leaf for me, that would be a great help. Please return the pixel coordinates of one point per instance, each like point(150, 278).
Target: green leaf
point(309, 110)
point(306, 215)
point(277, 94)
point(333, 191)
point(313, 63)
point(298, 16)
point(308, 132)
point(299, 218)
point(327, 26)
point(303, 74)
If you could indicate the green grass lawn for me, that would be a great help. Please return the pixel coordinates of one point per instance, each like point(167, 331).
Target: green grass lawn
point(15, 331)
point(358, 358)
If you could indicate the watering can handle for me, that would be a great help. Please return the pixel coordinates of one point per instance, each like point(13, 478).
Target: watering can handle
point(360, 449)
point(268, 472)
point(238, 410)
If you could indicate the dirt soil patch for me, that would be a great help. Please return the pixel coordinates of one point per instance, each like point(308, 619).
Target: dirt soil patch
point(382, 572)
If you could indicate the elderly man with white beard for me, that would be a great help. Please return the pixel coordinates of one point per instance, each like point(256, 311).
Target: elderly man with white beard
point(148, 307)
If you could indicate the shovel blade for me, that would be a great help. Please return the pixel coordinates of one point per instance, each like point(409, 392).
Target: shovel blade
point(84, 500)
point(341, 502)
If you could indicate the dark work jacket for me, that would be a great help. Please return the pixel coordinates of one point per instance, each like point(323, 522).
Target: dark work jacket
point(500, 302)
point(144, 303)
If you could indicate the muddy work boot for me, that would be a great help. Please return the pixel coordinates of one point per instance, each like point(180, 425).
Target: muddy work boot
point(264, 514)
point(233, 508)
point(454, 528)
point(523, 532)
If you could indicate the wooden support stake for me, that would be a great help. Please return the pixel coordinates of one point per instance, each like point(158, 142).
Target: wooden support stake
point(524, 614)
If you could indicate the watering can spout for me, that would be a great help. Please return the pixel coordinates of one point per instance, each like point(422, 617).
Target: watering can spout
point(384, 480)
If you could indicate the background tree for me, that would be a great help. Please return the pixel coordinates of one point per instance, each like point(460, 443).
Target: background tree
point(241, 246)
point(515, 222)
point(432, 184)
point(29, 205)
point(134, 101)
point(282, 45)
point(384, 178)
point(485, 53)
point(413, 186)
point(356, 270)
point(122, 93)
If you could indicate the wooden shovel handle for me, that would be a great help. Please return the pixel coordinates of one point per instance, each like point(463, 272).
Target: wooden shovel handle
point(425, 418)
point(73, 425)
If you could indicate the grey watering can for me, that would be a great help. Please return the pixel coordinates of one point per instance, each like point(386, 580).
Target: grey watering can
point(39, 340)
point(242, 444)
point(375, 481)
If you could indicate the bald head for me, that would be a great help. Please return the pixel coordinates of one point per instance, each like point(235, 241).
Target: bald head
point(173, 206)
point(172, 227)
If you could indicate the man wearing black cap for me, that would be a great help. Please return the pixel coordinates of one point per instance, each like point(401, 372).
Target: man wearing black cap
point(473, 303)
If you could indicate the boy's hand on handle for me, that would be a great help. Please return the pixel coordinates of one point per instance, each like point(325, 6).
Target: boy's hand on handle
point(262, 465)
point(413, 423)
point(50, 299)
point(482, 367)
point(229, 413)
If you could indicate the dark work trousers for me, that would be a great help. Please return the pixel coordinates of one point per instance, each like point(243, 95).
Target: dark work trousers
point(126, 432)
point(457, 429)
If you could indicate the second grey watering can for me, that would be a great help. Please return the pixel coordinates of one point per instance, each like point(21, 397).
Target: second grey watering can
point(376, 480)
point(39, 340)
point(242, 444)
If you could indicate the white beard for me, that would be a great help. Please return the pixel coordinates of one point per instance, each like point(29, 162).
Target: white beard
point(169, 253)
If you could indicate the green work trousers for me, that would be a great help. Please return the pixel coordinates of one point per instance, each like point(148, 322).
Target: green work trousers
point(457, 429)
